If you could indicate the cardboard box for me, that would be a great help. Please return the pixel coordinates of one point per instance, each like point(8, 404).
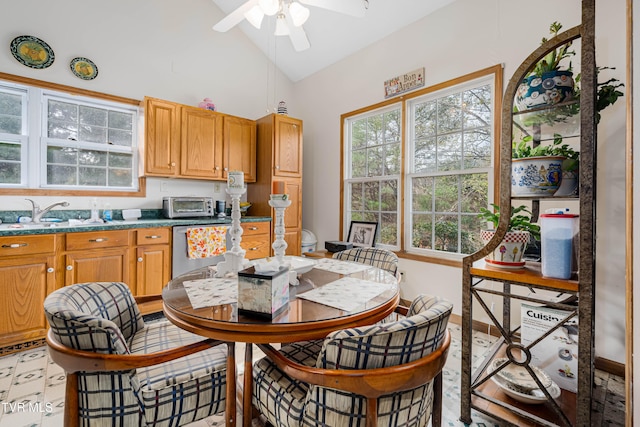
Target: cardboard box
point(557, 354)
point(265, 295)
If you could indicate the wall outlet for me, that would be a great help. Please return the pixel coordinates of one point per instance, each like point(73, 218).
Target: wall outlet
point(163, 187)
point(216, 187)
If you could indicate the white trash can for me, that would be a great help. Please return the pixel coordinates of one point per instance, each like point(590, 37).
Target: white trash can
point(308, 241)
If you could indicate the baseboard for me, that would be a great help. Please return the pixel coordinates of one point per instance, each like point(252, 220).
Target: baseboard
point(605, 365)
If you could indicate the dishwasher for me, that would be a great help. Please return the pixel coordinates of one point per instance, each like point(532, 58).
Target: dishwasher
point(181, 263)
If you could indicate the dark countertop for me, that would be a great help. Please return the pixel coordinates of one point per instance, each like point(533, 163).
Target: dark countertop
point(7, 230)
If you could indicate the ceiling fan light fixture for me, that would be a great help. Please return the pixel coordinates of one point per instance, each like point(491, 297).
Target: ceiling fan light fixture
point(282, 29)
point(299, 13)
point(254, 16)
point(269, 7)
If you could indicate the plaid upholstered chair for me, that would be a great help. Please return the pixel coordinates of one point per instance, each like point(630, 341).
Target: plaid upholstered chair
point(388, 374)
point(376, 257)
point(123, 372)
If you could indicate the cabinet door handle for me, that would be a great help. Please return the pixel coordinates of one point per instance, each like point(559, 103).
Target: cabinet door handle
point(226, 169)
point(50, 270)
point(69, 267)
point(139, 259)
point(253, 249)
point(277, 167)
point(15, 245)
point(172, 164)
point(153, 236)
point(98, 240)
point(252, 228)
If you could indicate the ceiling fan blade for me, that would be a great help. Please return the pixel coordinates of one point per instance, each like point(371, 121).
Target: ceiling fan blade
point(349, 7)
point(297, 35)
point(235, 17)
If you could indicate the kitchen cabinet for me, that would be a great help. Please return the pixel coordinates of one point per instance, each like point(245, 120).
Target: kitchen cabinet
point(162, 137)
point(256, 239)
point(287, 146)
point(200, 143)
point(99, 256)
point(153, 259)
point(240, 147)
point(27, 275)
point(485, 285)
point(182, 141)
point(279, 158)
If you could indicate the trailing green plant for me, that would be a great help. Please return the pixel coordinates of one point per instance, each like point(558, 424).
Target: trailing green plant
point(520, 219)
point(524, 149)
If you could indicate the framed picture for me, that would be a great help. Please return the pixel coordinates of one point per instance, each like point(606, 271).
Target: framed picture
point(363, 234)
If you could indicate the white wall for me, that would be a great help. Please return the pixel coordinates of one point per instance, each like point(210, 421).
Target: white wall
point(160, 48)
point(463, 37)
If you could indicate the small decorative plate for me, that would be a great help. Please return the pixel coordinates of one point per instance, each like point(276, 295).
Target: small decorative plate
point(83, 68)
point(32, 52)
point(518, 377)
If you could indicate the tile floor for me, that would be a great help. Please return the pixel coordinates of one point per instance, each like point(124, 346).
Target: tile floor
point(32, 391)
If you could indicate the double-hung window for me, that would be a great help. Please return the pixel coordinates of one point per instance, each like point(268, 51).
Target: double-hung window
point(13, 136)
point(373, 169)
point(422, 167)
point(51, 140)
point(449, 168)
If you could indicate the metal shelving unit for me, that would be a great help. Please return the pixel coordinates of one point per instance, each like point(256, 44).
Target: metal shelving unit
point(483, 283)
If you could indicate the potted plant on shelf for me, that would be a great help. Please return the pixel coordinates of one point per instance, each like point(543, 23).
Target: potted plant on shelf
point(548, 83)
point(508, 254)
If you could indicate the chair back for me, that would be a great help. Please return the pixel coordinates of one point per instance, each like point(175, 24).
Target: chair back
point(380, 346)
point(98, 316)
point(376, 257)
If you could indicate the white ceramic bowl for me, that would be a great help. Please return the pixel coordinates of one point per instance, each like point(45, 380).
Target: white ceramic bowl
point(519, 377)
point(531, 397)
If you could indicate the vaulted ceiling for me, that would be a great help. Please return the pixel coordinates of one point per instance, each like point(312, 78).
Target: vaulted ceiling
point(332, 35)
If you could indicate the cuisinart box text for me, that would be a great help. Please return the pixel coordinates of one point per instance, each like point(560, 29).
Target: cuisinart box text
point(557, 354)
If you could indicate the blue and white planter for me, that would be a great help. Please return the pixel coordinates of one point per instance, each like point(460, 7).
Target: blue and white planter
point(552, 88)
point(536, 176)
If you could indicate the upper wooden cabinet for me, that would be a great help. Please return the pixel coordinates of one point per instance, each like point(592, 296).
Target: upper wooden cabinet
point(240, 147)
point(189, 142)
point(162, 137)
point(288, 146)
point(200, 143)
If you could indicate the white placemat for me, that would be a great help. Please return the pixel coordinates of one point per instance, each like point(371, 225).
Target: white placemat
point(210, 292)
point(347, 293)
point(340, 267)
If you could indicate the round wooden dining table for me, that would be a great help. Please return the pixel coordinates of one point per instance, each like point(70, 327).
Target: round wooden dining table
point(303, 319)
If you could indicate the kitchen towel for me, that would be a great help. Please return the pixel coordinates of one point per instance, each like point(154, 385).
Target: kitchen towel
point(205, 242)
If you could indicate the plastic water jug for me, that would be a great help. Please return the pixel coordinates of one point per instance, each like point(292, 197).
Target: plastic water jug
point(559, 232)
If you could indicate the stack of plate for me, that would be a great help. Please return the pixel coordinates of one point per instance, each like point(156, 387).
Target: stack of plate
point(516, 382)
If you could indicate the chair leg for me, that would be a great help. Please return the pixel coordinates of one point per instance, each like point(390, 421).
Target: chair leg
point(71, 410)
point(372, 412)
point(436, 412)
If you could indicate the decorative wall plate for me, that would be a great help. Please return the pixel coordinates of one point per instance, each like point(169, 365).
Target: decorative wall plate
point(83, 68)
point(32, 52)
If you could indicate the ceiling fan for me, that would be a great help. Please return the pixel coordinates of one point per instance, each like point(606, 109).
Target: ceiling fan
point(290, 15)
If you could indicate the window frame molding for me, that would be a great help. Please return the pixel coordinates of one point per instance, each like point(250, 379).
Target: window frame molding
point(70, 90)
point(497, 71)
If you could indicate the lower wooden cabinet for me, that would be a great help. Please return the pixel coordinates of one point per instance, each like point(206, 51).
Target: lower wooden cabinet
point(153, 259)
point(27, 276)
point(256, 239)
point(98, 256)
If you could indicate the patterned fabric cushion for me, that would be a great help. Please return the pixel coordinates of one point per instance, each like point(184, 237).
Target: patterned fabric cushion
point(380, 258)
point(281, 399)
point(104, 317)
point(196, 383)
point(100, 316)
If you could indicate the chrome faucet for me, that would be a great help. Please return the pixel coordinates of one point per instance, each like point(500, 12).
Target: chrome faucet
point(37, 213)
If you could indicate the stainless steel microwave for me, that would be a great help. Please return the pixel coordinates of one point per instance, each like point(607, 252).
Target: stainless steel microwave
point(185, 207)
